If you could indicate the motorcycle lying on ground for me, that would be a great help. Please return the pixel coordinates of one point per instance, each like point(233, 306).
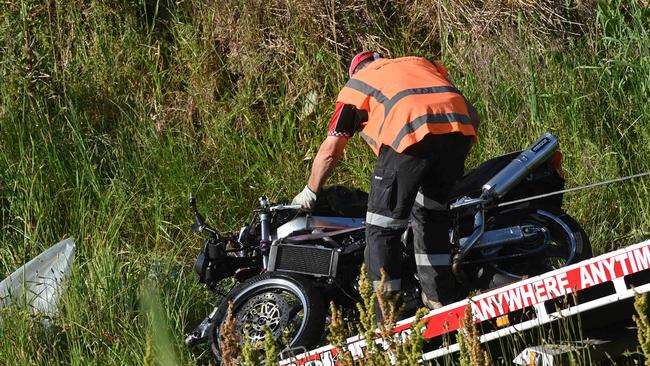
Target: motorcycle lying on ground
point(289, 264)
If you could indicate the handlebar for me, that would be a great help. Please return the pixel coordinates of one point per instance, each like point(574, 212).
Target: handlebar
point(282, 207)
point(265, 207)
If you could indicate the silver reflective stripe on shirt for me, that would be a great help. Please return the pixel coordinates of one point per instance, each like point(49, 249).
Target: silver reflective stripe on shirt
point(385, 221)
point(368, 139)
point(429, 203)
point(366, 89)
point(432, 259)
point(434, 118)
point(389, 285)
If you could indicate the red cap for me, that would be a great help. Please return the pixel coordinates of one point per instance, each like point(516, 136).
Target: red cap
point(361, 57)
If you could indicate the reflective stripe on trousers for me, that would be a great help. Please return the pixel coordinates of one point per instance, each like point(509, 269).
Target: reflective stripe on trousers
point(432, 259)
point(429, 203)
point(385, 221)
point(389, 285)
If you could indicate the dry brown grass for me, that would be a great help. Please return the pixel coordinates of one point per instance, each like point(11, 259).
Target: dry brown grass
point(258, 34)
point(284, 50)
point(490, 17)
point(230, 342)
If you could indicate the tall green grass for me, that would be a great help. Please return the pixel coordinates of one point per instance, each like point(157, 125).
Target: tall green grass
point(111, 113)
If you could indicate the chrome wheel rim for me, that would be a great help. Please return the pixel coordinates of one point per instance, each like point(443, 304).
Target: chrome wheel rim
point(276, 304)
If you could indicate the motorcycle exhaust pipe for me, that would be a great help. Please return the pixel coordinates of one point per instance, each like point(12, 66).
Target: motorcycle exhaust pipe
point(518, 169)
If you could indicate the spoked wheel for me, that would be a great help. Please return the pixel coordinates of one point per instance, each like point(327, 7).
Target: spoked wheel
point(287, 305)
point(560, 241)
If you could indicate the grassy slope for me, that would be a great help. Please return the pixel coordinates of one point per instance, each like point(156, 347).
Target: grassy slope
point(110, 114)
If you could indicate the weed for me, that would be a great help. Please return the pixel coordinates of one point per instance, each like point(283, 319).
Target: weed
point(337, 336)
point(230, 342)
point(471, 351)
point(410, 352)
point(643, 325)
point(250, 352)
point(271, 353)
point(367, 326)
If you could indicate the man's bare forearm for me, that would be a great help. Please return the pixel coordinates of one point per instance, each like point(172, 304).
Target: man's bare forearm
point(328, 156)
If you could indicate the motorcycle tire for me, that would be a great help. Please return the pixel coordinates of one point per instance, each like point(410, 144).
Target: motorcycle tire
point(568, 244)
point(274, 300)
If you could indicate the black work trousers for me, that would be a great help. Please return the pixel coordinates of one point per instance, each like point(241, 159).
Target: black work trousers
point(414, 183)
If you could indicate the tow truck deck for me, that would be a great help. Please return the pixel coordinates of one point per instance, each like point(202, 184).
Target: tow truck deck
point(599, 291)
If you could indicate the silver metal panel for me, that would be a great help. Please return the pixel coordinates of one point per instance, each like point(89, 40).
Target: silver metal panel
point(272, 255)
point(297, 224)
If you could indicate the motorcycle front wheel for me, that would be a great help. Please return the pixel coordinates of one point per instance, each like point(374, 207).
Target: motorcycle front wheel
point(564, 243)
point(288, 305)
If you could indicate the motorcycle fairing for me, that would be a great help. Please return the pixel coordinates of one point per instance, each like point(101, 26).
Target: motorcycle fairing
point(322, 223)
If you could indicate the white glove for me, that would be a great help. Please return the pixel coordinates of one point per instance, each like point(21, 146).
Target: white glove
point(306, 199)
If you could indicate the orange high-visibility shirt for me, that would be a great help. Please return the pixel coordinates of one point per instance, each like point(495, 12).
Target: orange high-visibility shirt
point(406, 98)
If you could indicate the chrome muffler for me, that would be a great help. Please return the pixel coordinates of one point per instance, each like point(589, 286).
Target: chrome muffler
point(518, 169)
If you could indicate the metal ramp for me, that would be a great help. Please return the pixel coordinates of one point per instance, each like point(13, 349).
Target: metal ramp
point(589, 288)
